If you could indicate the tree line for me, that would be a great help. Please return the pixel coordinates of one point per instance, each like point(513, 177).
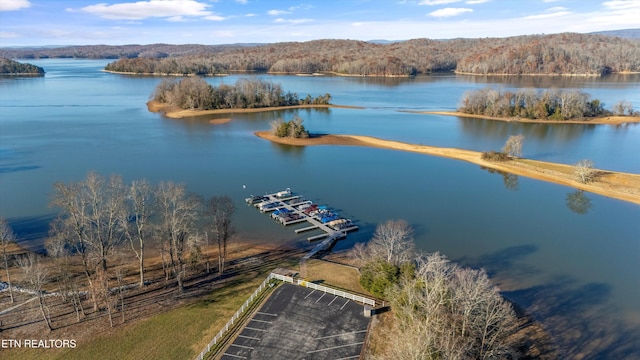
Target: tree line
point(100, 219)
point(550, 104)
point(196, 93)
point(442, 310)
point(566, 53)
point(10, 67)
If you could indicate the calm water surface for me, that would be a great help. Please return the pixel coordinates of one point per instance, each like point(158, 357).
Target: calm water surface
point(577, 273)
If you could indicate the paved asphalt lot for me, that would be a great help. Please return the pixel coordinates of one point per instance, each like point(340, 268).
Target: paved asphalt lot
point(302, 323)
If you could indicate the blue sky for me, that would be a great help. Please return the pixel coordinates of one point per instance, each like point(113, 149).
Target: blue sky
point(87, 22)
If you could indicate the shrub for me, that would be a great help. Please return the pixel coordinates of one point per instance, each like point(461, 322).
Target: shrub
point(495, 156)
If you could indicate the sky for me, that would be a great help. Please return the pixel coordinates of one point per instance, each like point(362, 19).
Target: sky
point(210, 22)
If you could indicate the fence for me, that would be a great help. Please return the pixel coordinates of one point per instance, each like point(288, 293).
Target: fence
point(344, 294)
point(235, 316)
point(262, 286)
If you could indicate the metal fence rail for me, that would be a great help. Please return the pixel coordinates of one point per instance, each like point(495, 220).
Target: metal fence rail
point(344, 294)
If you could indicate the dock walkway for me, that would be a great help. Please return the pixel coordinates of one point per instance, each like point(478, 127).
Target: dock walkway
point(281, 201)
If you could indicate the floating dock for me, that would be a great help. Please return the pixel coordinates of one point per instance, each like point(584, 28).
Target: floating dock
point(288, 209)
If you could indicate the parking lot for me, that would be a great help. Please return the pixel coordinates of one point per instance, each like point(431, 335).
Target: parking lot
point(302, 323)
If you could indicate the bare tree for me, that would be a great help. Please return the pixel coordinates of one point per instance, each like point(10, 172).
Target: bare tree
point(513, 146)
point(219, 211)
point(623, 107)
point(137, 220)
point(584, 171)
point(37, 276)
point(7, 237)
point(178, 212)
point(393, 242)
point(73, 226)
point(91, 220)
point(450, 312)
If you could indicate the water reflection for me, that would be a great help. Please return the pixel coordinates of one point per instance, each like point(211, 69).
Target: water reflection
point(545, 82)
point(289, 150)
point(580, 317)
point(510, 180)
point(502, 129)
point(578, 202)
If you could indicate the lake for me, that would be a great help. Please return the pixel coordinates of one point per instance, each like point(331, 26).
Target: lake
point(578, 273)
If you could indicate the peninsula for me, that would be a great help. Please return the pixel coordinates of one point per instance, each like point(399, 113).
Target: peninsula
point(617, 185)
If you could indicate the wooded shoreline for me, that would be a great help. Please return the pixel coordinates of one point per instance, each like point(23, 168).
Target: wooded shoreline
point(176, 113)
point(605, 120)
point(613, 184)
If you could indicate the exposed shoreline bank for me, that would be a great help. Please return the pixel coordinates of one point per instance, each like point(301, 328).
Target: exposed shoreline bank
point(607, 120)
point(613, 184)
point(177, 113)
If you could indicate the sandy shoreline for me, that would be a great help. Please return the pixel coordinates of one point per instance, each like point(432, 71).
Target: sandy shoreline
point(608, 120)
point(176, 113)
point(617, 185)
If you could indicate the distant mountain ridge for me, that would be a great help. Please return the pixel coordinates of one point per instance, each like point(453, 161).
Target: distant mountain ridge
point(625, 33)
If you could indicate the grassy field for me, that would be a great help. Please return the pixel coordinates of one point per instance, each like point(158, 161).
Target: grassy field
point(180, 333)
point(333, 274)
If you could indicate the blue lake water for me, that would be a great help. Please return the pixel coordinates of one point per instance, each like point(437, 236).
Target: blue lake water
point(578, 274)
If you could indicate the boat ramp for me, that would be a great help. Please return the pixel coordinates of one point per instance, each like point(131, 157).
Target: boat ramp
point(288, 209)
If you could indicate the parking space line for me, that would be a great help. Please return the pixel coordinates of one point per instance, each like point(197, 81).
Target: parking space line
point(261, 321)
point(314, 290)
point(335, 347)
point(323, 294)
point(248, 337)
point(347, 333)
point(250, 328)
point(242, 346)
point(345, 304)
point(235, 356)
point(263, 313)
point(334, 299)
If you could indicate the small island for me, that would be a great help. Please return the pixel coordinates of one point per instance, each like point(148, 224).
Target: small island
point(193, 96)
point(10, 67)
point(549, 106)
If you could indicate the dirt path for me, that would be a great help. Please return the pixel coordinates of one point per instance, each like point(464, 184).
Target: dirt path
point(617, 185)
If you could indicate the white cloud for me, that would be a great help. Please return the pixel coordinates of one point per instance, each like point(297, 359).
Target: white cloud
point(473, 2)
point(437, 2)
point(551, 13)
point(292, 21)
point(622, 4)
point(448, 12)
point(12, 5)
point(8, 35)
point(214, 17)
point(241, 1)
point(277, 12)
point(149, 9)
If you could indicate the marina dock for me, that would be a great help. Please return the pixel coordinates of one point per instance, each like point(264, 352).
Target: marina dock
point(288, 209)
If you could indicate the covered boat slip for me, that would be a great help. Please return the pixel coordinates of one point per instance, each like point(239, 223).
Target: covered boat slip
point(288, 209)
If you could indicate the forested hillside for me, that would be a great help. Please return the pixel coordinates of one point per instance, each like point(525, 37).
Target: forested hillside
point(566, 53)
point(548, 54)
point(10, 67)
